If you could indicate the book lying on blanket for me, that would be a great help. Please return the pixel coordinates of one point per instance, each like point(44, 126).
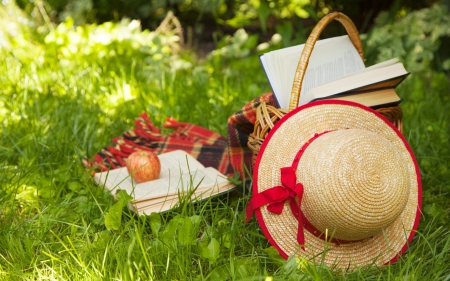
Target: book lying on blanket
point(335, 70)
point(182, 176)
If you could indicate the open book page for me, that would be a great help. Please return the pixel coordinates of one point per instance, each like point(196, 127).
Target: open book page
point(330, 59)
point(383, 64)
point(160, 204)
point(373, 77)
point(177, 160)
point(375, 66)
point(178, 183)
point(174, 162)
point(180, 173)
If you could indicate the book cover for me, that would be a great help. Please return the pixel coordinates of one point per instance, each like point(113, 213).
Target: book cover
point(370, 79)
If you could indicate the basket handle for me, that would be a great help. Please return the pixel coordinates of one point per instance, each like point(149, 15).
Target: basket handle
point(309, 46)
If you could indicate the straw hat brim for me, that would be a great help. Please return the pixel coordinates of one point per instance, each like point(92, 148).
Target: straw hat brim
point(279, 150)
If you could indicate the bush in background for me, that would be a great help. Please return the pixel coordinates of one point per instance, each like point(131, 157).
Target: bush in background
point(67, 89)
point(207, 20)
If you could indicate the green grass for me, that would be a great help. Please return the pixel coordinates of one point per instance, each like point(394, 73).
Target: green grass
point(56, 109)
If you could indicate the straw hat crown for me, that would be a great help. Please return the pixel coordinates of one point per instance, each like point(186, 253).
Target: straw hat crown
point(353, 187)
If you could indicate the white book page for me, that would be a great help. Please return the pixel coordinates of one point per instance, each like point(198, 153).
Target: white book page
point(358, 80)
point(164, 203)
point(372, 67)
point(115, 180)
point(330, 59)
point(176, 175)
point(178, 183)
point(329, 63)
point(177, 160)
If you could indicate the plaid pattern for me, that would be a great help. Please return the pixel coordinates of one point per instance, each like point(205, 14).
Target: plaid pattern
point(240, 126)
point(208, 147)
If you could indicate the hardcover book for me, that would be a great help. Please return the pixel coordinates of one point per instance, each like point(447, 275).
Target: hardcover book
point(335, 71)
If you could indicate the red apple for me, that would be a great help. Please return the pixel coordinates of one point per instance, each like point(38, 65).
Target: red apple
point(143, 166)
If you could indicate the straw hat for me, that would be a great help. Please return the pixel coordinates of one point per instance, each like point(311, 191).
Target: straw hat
point(334, 181)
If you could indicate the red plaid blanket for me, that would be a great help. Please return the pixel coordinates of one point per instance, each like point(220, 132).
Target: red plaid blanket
point(240, 126)
point(208, 147)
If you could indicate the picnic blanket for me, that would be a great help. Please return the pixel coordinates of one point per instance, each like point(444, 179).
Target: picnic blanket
point(227, 154)
point(208, 147)
point(240, 126)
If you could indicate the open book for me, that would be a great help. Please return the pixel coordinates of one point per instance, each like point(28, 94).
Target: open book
point(336, 71)
point(181, 175)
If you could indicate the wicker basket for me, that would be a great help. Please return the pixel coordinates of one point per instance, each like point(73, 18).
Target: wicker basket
point(267, 115)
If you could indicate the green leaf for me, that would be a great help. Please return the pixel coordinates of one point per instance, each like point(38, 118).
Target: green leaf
point(113, 217)
point(210, 251)
point(434, 210)
point(203, 249)
point(155, 223)
point(195, 219)
point(74, 185)
point(263, 13)
point(238, 21)
point(247, 267)
point(290, 266)
point(123, 197)
point(235, 179)
point(214, 250)
point(219, 273)
point(286, 31)
point(226, 240)
point(185, 232)
point(273, 254)
point(168, 234)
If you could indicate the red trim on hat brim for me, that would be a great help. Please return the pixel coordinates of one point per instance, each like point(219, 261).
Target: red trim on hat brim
point(343, 102)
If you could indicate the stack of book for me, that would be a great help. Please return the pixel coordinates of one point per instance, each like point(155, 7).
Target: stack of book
point(335, 71)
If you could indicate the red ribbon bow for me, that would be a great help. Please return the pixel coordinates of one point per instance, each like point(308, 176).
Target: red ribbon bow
point(276, 196)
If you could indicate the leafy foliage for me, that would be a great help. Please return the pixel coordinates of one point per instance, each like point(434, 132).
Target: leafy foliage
point(67, 90)
point(415, 39)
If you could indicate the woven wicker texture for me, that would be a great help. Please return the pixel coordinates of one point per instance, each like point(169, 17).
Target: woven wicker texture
point(268, 115)
point(360, 183)
point(309, 46)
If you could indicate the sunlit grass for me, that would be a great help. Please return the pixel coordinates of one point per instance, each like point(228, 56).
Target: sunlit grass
point(56, 109)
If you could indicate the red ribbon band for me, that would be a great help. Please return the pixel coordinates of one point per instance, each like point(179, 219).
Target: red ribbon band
point(289, 190)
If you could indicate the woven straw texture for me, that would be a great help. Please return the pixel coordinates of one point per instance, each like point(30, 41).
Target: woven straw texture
point(360, 182)
point(267, 116)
